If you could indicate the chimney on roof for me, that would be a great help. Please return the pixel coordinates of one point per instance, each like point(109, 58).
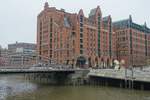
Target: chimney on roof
point(145, 24)
point(63, 10)
point(46, 6)
point(130, 18)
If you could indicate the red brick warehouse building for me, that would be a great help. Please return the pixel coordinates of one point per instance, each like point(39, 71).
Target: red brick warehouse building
point(133, 42)
point(74, 38)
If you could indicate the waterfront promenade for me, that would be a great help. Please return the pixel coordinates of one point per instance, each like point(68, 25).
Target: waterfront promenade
point(124, 78)
point(39, 70)
point(138, 75)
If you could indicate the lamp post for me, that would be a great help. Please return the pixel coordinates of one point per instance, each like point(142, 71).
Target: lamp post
point(22, 60)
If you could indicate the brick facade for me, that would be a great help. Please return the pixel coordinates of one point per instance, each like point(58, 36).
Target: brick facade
point(73, 38)
point(132, 42)
point(65, 37)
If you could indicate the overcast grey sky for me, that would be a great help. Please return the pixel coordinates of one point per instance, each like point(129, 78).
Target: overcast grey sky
point(18, 17)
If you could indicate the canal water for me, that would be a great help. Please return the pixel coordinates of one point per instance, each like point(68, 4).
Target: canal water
point(14, 87)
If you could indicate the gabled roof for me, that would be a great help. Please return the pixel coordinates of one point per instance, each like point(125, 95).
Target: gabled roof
point(129, 23)
point(93, 12)
point(81, 12)
point(106, 18)
point(121, 23)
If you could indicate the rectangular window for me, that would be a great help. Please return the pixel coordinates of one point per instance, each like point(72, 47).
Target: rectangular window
point(81, 18)
point(73, 42)
point(50, 40)
point(81, 35)
point(51, 29)
point(81, 40)
point(81, 46)
point(50, 45)
point(61, 45)
point(81, 29)
point(50, 34)
point(81, 24)
point(81, 51)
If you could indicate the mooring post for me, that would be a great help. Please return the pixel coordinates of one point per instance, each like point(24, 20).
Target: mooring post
point(142, 87)
point(132, 78)
point(125, 77)
point(129, 84)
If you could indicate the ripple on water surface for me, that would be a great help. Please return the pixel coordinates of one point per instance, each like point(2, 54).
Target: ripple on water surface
point(14, 88)
point(10, 85)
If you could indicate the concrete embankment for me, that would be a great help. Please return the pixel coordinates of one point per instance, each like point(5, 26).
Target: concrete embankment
point(120, 78)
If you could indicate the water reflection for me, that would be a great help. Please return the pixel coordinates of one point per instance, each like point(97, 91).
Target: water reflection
point(14, 88)
point(82, 93)
point(13, 85)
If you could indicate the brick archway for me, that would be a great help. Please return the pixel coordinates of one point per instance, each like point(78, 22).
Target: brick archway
point(81, 61)
point(108, 63)
point(102, 61)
